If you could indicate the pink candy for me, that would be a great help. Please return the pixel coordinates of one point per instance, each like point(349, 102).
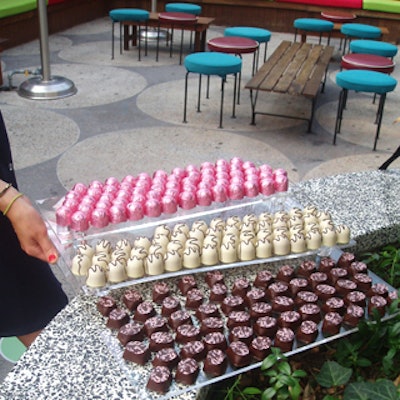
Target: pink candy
point(134, 197)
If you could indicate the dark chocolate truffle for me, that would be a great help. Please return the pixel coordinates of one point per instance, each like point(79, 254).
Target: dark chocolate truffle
point(260, 309)
point(284, 339)
point(195, 349)
point(144, 311)
point(289, 319)
point(169, 305)
point(331, 323)
point(306, 268)
point(345, 260)
point(363, 281)
point(132, 298)
point(337, 273)
point(282, 303)
point(324, 292)
point(254, 295)
point(377, 303)
point(297, 285)
point(378, 289)
point(130, 332)
point(345, 286)
point(213, 277)
point(186, 283)
point(285, 273)
point(260, 347)
point(160, 380)
point(305, 297)
point(243, 333)
point(161, 340)
point(187, 371)
point(105, 305)
point(353, 315)
point(232, 303)
point(167, 357)
point(194, 299)
point(215, 363)
point(207, 310)
point(266, 326)
point(211, 324)
point(335, 304)
point(263, 279)
point(179, 317)
point(358, 267)
point(238, 318)
point(218, 292)
point(160, 292)
point(277, 289)
point(239, 354)
point(317, 278)
point(137, 352)
point(356, 297)
point(240, 287)
point(155, 324)
point(117, 318)
point(326, 264)
point(310, 311)
point(187, 333)
point(307, 332)
point(215, 340)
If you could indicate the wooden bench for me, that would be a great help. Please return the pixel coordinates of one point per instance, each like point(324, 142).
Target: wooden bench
point(294, 68)
point(200, 30)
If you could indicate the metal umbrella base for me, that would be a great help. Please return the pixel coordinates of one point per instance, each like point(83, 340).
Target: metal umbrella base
point(39, 89)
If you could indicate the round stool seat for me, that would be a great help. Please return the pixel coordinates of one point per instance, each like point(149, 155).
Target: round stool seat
point(376, 47)
point(177, 17)
point(362, 31)
point(366, 81)
point(313, 24)
point(370, 62)
point(258, 34)
point(233, 45)
point(338, 16)
point(129, 14)
point(213, 63)
point(183, 7)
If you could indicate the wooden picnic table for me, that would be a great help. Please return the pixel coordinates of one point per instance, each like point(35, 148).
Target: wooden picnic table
point(294, 68)
point(199, 28)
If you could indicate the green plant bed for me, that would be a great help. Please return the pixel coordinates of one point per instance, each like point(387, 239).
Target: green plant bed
point(363, 366)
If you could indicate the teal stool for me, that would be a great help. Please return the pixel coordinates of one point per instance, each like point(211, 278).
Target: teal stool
point(212, 63)
point(318, 25)
point(376, 47)
point(359, 31)
point(363, 81)
point(260, 35)
point(122, 15)
point(188, 8)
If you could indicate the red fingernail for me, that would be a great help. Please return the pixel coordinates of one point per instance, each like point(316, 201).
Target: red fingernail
point(52, 258)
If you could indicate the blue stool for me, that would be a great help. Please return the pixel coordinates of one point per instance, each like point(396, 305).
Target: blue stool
point(375, 47)
point(188, 8)
point(363, 81)
point(313, 25)
point(122, 15)
point(258, 34)
point(212, 63)
point(359, 31)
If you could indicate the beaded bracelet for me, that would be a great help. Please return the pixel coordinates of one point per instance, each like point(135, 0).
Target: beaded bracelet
point(4, 190)
point(11, 203)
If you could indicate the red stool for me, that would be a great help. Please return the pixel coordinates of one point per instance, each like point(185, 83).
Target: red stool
point(174, 19)
point(338, 17)
point(235, 45)
point(370, 62)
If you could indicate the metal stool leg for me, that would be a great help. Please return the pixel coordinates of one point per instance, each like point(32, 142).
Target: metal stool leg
point(185, 97)
point(199, 95)
point(234, 95)
point(339, 114)
point(380, 115)
point(222, 102)
point(112, 40)
point(120, 38)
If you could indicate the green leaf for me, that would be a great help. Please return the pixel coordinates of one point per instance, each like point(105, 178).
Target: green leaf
point(269, 362)
point(268, 394)
point(284, 367)
point(379, 390)
point(251, 391)
point(363, 362)
point(329, 397)
point(299, 373)
point(333, 374)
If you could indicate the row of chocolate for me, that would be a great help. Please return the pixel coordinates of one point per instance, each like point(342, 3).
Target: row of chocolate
point(135, 197)
point(196, 327)
point(220, 241)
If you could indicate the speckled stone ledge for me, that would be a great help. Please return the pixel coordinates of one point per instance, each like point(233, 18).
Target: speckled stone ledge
point(70, 361)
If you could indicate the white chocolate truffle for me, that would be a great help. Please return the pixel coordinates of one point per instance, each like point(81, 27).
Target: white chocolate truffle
point(120, 255)
point(101, 259)
point(313, 239)
point(248, 227)
point(311, 226)
point(279, 222)
point(86, 250)
point(161, 240)
point(282, 214)
point(246, 250)
point(156, 249)
point(295, 220)
point(179, 237)
point(250, 219)
point(162, 230)
point(248, 236)
point(211, 240)
point(116, 272)
point(264, 247)
point(264, 224)
point(135, 267)
point(326, 223)
point(154, 264)
point(310, 219)
point(210, 254)
point(142, 241)
point(298, 243)
point(175, 245)
point(218, 233)
point(196, 234)
point(139, 252)
point(234, 220)
point(191, 257)
point(173, 261)
point(193, 242)
point(96, 277)
point(202, 225)
point(181, 228)
point(231, 229)
point(343, 234)
point(123, 244)
point(228, 251)
point(281, 245)
point(217, 223)
point(264, 234)
point(310, 209)
point(295, 212)
point(296, 229)
point(103, 246)
point(281, 231)
point(80, 265)
point(265, 216)
point(328, 237)
point(323, 215)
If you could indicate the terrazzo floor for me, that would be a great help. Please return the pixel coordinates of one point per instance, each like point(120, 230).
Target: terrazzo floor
point(126, 118)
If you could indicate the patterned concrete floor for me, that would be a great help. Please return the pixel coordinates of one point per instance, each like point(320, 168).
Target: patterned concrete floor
point(126, 118)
